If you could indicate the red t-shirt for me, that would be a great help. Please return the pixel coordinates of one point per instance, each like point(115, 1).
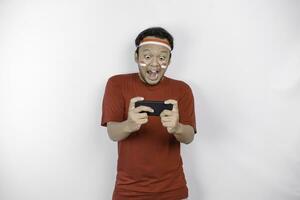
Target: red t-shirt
point(149, 162)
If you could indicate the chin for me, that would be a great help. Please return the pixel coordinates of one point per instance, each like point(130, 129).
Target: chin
point(151, 82)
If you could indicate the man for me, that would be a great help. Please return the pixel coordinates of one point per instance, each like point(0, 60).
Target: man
point(149, 162)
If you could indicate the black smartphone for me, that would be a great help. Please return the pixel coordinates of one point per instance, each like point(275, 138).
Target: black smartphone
point(157, 106)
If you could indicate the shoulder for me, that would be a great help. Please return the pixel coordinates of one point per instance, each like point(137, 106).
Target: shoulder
point(181, 89)
point(179, 84)
point(120, 78)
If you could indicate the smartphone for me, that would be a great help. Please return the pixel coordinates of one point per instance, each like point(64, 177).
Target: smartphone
point(157, 106)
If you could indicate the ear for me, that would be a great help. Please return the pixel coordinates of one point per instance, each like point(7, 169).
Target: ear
point(136, 57)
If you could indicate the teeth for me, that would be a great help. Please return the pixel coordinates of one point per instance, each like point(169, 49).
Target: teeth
point(152, 71)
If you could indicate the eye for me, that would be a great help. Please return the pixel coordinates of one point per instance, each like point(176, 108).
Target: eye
point(162, 58)
point(147, 57)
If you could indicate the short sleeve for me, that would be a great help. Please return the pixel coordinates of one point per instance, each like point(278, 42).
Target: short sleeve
point(113, 102)
point(187, 109)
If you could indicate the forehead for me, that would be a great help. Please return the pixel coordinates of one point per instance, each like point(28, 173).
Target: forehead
point(154, 47)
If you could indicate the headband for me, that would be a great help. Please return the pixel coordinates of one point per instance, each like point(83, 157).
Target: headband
point(156, 41)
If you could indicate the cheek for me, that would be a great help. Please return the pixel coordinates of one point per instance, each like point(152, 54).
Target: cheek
point(164, 65)
point(142, 63)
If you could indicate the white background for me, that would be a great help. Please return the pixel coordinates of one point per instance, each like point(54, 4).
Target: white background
point(241, 58)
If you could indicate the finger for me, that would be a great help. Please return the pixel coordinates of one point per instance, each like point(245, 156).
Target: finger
point(174, 102)
point(170, 129)
point(143, 108)
point(141, 115)
point(167, 124)
point(165, 113)
point(142, 121)
point(137, 116)
point(133, 100)
point(167, 119)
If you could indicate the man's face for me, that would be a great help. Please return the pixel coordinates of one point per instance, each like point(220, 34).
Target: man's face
point(153, 61)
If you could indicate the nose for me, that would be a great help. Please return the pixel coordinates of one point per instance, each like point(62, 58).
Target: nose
point(154, 62)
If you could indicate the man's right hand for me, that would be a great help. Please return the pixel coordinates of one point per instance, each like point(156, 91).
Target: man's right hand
point(135, 118)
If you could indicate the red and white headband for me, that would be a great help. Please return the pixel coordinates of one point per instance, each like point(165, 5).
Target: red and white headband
point(156, 41)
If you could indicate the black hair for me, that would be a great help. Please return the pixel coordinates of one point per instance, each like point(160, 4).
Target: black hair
point(157, 32)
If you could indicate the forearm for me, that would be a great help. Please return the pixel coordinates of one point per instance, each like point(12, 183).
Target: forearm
point(118, 130)
point(184, 133)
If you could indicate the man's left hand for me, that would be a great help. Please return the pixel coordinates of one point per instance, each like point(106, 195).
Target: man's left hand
point(170, 118)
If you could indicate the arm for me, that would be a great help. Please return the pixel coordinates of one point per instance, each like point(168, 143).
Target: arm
point(120, 130)
point(170, 119)
point(184, 133)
